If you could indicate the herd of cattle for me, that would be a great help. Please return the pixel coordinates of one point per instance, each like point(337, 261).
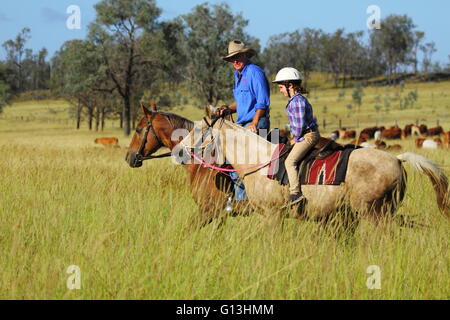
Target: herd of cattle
point(433, 138)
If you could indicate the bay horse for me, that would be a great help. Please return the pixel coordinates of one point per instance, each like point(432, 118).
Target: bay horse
point(156, 130)
point(375, 183)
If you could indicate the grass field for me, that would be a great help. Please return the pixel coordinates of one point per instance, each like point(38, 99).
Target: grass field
point(65, 201)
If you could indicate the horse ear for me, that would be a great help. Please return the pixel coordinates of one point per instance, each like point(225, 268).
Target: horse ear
point(153, 106)
point(146, 112)
point(209, 111)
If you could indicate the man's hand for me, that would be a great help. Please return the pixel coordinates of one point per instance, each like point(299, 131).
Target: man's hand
point(252, 127)
point(259, 114)
point(223, 111)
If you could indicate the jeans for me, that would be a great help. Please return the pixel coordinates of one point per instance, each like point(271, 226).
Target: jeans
point(239, 188)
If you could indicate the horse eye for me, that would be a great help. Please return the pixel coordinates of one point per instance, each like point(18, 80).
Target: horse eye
point(138, 131)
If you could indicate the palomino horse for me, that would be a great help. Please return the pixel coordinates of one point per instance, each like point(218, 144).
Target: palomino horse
point(375, 183)
point(157, 130)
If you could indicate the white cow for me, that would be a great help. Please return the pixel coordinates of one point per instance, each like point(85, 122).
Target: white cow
point(430, 144)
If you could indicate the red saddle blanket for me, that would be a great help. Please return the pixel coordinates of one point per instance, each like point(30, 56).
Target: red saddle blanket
point(322, 172)
point(312, 171)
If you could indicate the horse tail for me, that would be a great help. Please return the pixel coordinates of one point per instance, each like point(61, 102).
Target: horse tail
point(437, 177)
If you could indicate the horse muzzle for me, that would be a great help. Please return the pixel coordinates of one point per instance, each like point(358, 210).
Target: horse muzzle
point(133, 160)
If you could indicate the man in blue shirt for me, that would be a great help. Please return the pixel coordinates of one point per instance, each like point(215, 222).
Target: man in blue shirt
point(252, 97)
point(251, 89)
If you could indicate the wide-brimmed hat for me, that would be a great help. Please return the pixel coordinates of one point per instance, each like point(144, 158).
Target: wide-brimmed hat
point(235, 47)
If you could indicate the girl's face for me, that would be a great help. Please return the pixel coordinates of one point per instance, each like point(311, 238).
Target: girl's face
point(283, 90)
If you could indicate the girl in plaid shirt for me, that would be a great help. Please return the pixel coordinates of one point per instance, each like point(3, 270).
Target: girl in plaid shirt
point(303, 127)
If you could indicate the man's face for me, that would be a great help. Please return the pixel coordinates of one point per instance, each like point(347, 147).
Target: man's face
point(238, 61)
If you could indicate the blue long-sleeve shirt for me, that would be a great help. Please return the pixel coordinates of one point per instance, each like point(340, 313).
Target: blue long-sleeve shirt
point(251, 92)
point(300, 116)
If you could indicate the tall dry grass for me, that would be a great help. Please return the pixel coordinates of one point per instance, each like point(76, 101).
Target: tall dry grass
point(65, 201)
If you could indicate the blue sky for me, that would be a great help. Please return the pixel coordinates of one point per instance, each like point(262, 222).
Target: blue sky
point(47, 18)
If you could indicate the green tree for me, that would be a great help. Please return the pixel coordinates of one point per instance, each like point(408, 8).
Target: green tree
point(121, 30)
point(349, 108)
point(80, 77)
point(5, 90)
point(428, 50)
point(358, 94)
point(5, 95)
point(207, 31)
point(333, 54)
point(394, 41)
point(15, 54)
point(341, 95)
point(299, 49)
point(418, 37)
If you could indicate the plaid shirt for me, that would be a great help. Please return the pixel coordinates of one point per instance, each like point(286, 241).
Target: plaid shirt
point(300, 116)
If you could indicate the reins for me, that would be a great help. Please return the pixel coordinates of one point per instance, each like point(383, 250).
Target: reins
point(258, 167)
point(150, 129)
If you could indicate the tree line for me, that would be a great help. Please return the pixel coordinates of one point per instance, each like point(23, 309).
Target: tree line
point(130, 56)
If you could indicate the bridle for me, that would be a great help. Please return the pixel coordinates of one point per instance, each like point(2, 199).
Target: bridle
point(150, 129)
point(193, 149)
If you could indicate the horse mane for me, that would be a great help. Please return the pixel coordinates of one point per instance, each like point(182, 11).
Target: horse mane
point(177, 121)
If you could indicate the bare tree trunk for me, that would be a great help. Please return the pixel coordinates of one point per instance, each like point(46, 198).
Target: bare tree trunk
point(103, 119)
point(79, 115)
point(121, 120)
point(97, 119)
point(127, 115)
point(336, 80)
point(91, 117)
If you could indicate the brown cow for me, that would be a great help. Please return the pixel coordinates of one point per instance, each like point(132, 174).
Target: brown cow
point(407, 131)
point(380, 145)
point(419, 142)
point(423, 129)
point(344, 134)
point(435, 131)
point(349, 134)
point(371, 131)
point(392, 133)
point(363, 137)
point(415, 131)
point(108, 142)
point(446, 139)
point(395, 147)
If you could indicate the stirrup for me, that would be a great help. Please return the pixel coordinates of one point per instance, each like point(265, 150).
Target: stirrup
point(290, 203)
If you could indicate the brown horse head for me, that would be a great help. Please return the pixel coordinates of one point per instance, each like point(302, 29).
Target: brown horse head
point(154, 131)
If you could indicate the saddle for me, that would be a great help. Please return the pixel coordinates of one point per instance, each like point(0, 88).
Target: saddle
point(325, 153)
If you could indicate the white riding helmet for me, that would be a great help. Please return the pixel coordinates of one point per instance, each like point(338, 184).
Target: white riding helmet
point(288, 74)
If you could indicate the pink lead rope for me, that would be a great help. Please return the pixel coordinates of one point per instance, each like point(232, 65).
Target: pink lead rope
point(262, 165)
